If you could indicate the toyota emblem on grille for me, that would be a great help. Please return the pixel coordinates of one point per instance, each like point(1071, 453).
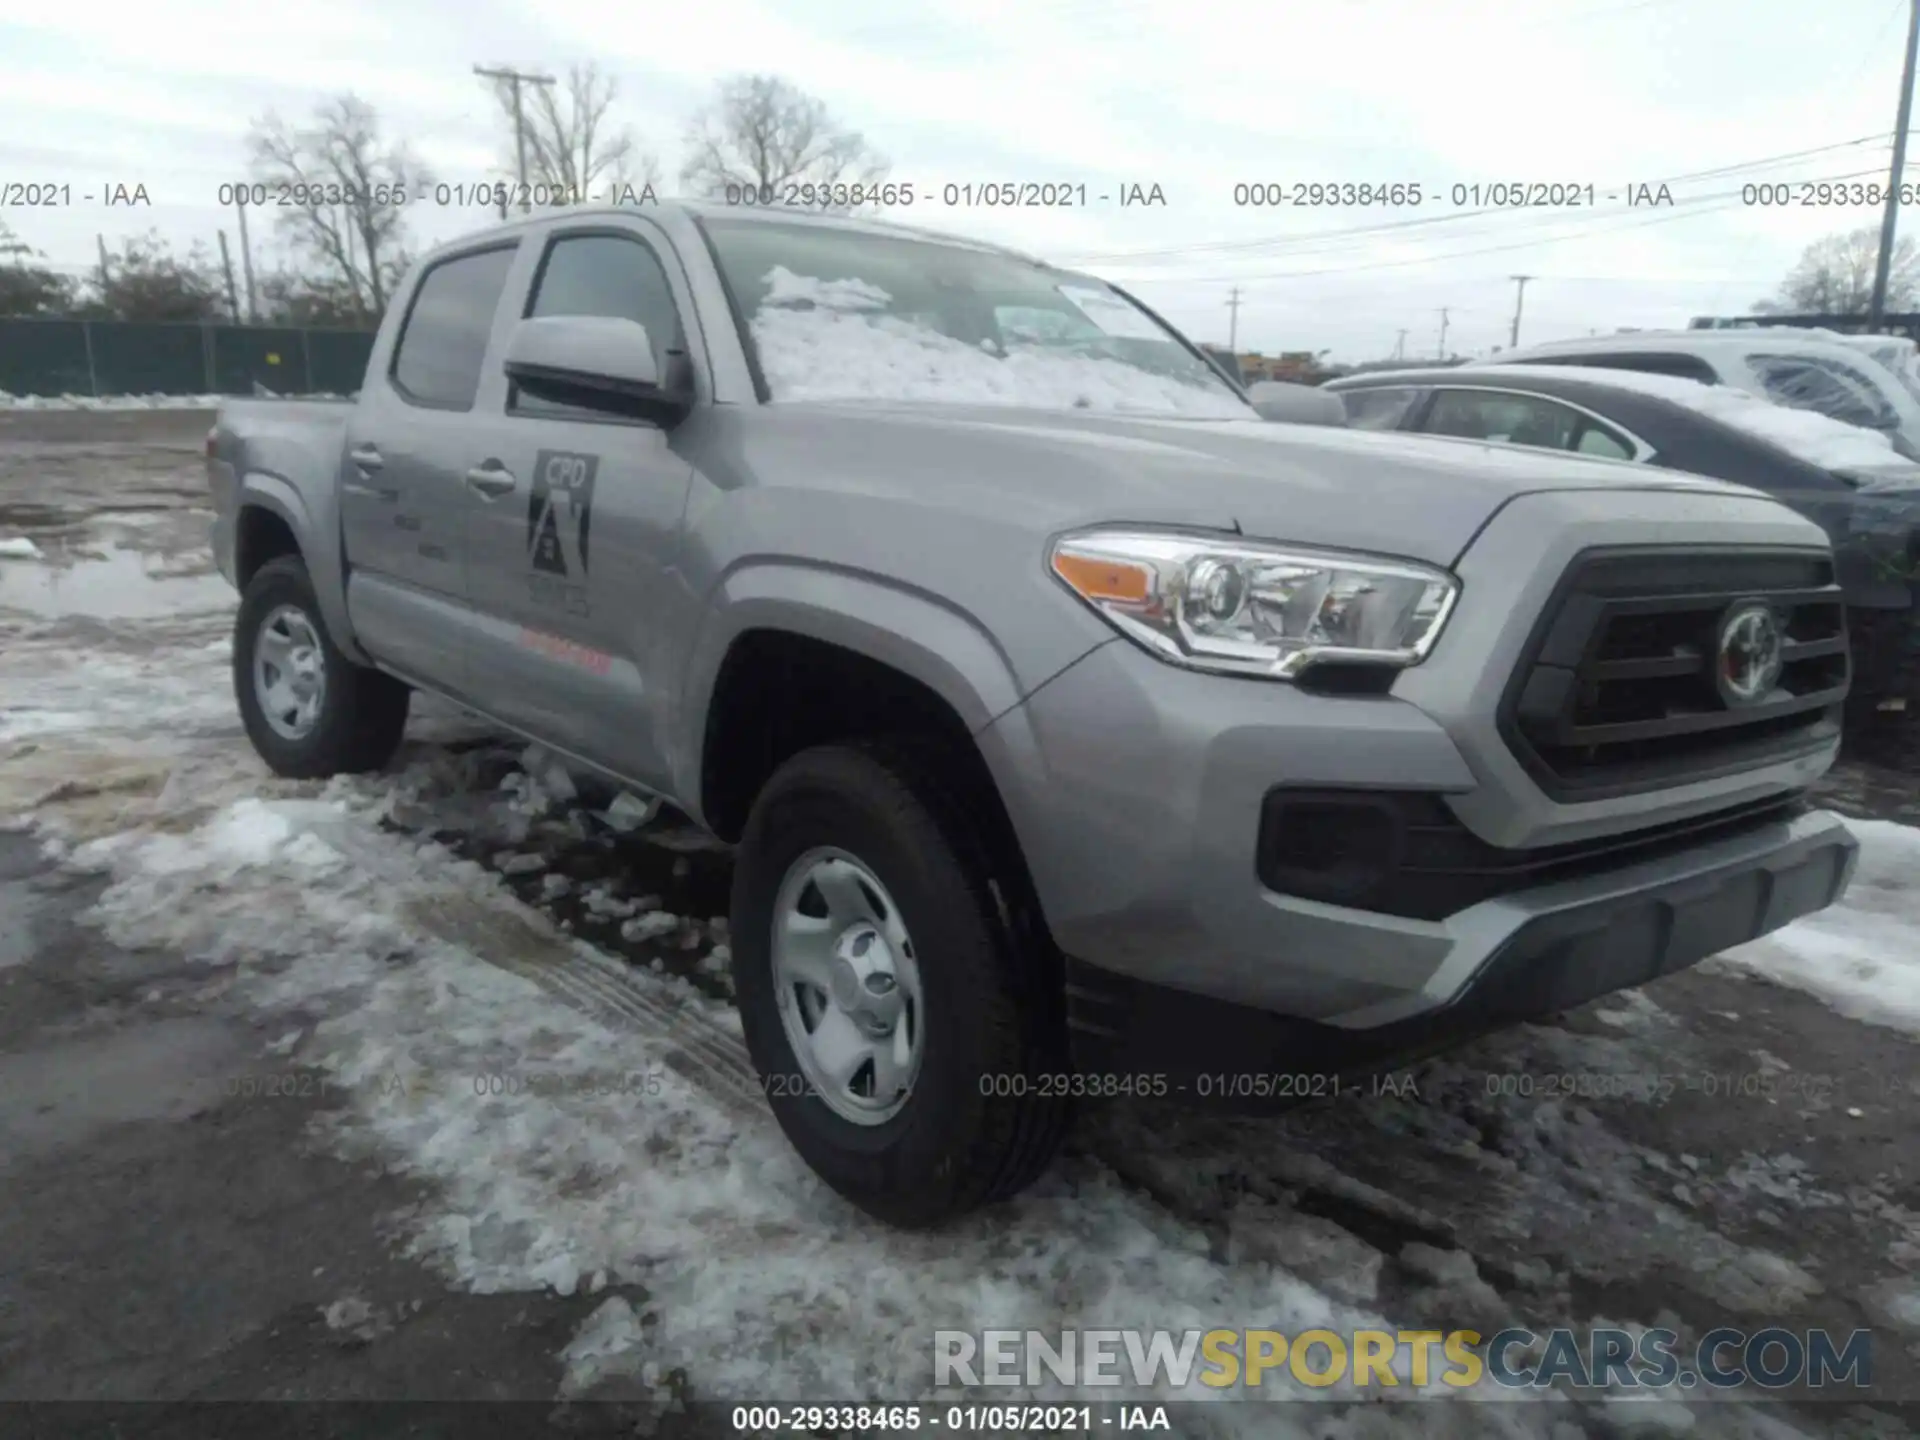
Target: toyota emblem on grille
point(1748, 657)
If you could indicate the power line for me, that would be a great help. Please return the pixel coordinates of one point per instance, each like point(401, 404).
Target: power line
point(1418, 222)
point(1699, 205)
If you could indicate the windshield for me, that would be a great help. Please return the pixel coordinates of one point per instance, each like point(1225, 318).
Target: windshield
point(840, 314)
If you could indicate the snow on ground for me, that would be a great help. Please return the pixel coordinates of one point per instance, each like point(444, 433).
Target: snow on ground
point(129, 402)
point(418, 986)
point(18, 547)
point(758, 1280)
point(1863, 957)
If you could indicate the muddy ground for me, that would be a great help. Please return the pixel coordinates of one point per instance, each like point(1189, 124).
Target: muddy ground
point(168, 1236)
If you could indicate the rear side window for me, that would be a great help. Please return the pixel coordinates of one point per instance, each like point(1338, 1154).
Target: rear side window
point(443, 344)
point(1509, 419)
point(1834, 389)
point(1381, 409)
point(1596, 441)
point(1523, 420)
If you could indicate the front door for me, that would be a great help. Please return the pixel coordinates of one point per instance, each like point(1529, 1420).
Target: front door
point(570, 557)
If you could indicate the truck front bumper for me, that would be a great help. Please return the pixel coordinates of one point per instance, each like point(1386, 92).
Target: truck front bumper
point(1139, 790)
point(1506, 960)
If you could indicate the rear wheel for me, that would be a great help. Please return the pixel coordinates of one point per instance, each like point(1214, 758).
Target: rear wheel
point(903, 1029)
point(308, 710)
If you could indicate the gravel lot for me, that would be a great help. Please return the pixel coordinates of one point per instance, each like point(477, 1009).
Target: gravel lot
point(288, 1102)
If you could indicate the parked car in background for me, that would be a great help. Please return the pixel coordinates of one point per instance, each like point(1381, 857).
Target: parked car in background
point(1895, 352)
point(1851, 482)
point(1296, 404)
point(1801, 369)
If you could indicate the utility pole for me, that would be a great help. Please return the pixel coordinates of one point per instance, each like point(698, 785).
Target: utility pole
point(1444, 312)
point(1519, 297)
point(101, 241)
point(515, 79)
point(226, 265)
point(246, 264)
point(1877, 307)
point(1233, 310)
point(1400, 347)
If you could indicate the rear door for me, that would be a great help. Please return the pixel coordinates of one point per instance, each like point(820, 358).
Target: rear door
point(404, 501)
point(571, 559)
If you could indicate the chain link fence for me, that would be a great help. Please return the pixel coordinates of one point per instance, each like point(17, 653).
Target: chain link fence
point(100, 358)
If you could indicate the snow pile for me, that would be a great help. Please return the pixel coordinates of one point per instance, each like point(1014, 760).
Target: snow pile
point(822, 340)
point(111, 402)
point(1815, 438)
point(134, 402)
point(19, 547)
point(1859, 956)
point(759, 1280)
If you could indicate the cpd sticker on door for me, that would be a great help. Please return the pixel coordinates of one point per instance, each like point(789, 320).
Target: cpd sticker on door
point(560, 528)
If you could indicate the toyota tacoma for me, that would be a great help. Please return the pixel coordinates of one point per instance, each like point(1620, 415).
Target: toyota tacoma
point(1079, 731)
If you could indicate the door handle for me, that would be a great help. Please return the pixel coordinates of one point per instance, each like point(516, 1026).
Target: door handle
point(491, 480)
point(367, 457)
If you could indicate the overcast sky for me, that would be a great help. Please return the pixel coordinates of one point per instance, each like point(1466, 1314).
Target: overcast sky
point(1193, 97)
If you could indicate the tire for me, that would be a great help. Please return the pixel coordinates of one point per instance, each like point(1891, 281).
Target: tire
point(990, 1019)
point(359, 714)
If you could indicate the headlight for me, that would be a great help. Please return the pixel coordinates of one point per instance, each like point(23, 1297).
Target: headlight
point(1220, 604)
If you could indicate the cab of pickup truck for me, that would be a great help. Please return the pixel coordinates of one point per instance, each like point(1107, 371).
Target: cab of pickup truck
point(1069, 718)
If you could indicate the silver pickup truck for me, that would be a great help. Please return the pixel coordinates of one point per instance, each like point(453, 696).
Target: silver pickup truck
point(1081, 733)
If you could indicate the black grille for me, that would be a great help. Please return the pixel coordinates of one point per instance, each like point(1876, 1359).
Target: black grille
point(1406, 852)
point(1617, 690)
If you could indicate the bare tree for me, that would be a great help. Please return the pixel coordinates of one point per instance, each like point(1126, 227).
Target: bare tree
point(355, 189)
point(27, 285)
point(143, 279)
point(762, 133)
point(294, 297)
point(572, 147)
point(1834, 276)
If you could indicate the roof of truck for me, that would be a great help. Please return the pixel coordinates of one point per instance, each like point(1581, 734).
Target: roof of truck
point(769, 214)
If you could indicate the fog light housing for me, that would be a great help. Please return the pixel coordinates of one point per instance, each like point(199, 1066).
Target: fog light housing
point(1341, 847)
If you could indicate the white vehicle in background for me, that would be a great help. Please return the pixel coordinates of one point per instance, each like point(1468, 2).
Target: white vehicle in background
point(1839, 376)
point(1895, 352)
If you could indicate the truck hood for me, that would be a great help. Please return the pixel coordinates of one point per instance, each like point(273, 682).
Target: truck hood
point(1421, 497)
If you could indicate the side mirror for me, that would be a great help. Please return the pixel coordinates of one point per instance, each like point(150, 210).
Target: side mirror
point(1297, 404)
point(596, 361)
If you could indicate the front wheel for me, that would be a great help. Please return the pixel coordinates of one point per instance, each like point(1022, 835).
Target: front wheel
point(904, 1031)
point(309, 710)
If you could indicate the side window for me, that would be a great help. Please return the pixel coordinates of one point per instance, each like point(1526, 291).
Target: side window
point(1381, 409)
point(1813, 382)
point(1510, 419)
point(607, 275)
point(443, 342)
point(1598, 440)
